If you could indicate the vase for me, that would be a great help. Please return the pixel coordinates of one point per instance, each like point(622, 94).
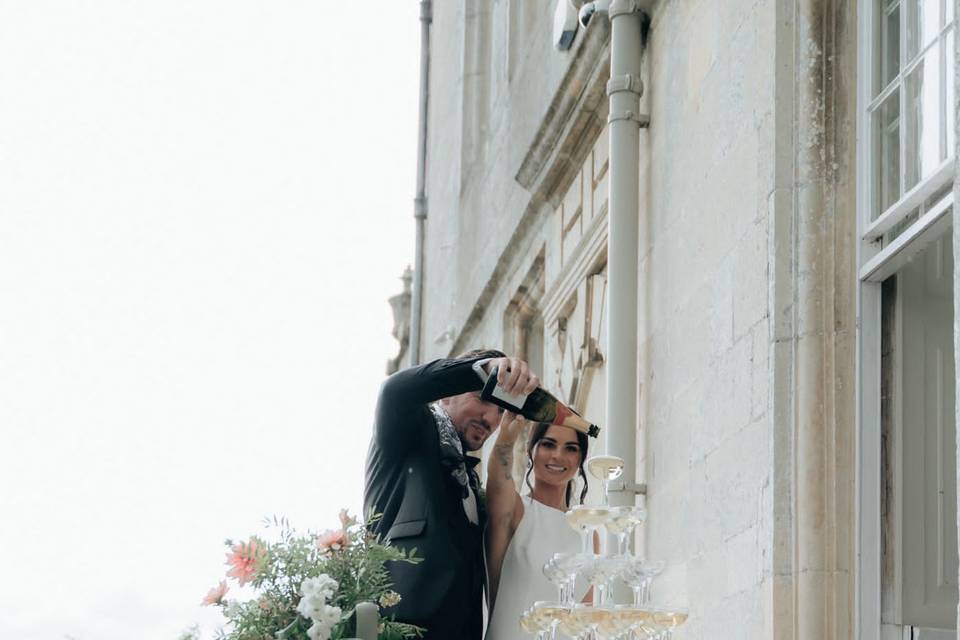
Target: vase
point(368, 621)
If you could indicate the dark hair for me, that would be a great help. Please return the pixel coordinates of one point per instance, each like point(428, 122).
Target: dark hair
point(538, 433)
point(477, 354)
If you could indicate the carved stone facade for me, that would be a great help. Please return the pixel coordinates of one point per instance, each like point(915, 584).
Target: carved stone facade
point(747, 424)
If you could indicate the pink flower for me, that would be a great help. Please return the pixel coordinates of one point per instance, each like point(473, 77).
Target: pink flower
point(346, 520)
point(336, 540)
point(215, 595)
point(245, 560)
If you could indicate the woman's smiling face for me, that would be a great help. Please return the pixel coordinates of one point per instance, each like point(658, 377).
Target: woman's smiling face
point(557, 456)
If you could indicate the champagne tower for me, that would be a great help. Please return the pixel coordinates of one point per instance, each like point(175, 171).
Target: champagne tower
point(600, 618)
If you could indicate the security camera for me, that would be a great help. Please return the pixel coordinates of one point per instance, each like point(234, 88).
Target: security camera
point(588, 10)
point(585, 15)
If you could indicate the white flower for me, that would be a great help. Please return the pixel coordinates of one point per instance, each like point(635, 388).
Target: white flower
point(323, 586)
point(315, 592)
point(329, 616)
point(323, 622)
point(311, 606)
point(318, 631)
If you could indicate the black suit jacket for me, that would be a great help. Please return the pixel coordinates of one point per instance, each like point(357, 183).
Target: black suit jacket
point(422, 505)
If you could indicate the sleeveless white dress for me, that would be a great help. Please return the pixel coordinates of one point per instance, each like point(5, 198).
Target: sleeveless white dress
point(542, 532)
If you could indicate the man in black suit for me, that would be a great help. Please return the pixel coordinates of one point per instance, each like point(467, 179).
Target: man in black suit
point(426, 491)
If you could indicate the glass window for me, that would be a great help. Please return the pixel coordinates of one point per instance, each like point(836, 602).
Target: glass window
point(886, 141)
point(949, 111)
point(923, 25)
point(887, 62)
point(923, 126)
point(911, 112)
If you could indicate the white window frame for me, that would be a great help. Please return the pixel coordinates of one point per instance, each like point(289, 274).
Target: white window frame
point(875, 264)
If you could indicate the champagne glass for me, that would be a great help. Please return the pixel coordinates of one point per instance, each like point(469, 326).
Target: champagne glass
point(599, 571)
point(586, 520)
point(623, 520)
point(607, 469)
point(557, 575)
point(668, 618)
point(532, 622)
point(617, 625)
point(638, 574)
point(550, 615)
point(571, 624)
point(631, 617)
point(570, 565)
point(590, 618)
point(662, 621)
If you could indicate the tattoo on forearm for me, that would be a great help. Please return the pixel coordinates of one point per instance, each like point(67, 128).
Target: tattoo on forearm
point(503, 453)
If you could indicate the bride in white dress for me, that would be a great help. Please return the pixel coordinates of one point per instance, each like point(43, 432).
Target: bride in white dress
point(523, 532)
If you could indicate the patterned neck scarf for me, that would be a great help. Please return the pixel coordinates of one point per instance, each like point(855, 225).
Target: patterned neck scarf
point(451, 452)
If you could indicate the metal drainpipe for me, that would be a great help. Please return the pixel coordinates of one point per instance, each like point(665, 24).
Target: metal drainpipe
point(625, 120)
point(420, 201)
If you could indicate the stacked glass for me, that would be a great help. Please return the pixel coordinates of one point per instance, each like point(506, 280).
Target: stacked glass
point(601, 619)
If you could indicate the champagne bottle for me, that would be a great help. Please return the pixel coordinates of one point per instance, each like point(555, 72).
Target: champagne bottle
point(539, 406)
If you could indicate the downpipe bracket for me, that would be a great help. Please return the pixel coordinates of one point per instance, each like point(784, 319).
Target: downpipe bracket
point(642, 119)
point(628, 82)
point(620, 7)
point(619, 486)
point(420, 208)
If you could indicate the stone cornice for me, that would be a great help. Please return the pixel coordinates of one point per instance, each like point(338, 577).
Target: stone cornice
point(574, 119)
point(570, 127)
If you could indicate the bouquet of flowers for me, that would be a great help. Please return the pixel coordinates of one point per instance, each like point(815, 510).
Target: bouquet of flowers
point(308, 585)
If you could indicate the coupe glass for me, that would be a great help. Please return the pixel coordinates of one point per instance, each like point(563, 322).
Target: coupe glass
point(617, 625)
point(623, 520)
point(591, 618)
point(549, 615)
point(532, 622)
point(631, 617)
point(662, 621)
point(599, 571)
point(571, 625)
point(669, 618)
point(607, 469)
point(586, 520)
point(638, 574)
point(557, 576)
point(568, 565)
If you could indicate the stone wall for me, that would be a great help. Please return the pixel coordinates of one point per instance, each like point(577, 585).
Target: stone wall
point(745, 430)
point(705, 413)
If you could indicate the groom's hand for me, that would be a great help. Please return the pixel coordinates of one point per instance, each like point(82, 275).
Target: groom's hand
point(514, 375)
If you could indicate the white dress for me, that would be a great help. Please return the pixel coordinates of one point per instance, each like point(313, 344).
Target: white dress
point(542, 532)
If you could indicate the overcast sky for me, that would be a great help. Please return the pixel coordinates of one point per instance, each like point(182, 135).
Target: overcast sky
point(204, 207)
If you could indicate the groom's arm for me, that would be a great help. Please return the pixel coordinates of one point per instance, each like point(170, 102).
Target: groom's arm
point(405, 394)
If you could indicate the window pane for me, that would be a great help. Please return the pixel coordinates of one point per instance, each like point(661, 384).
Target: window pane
point(886, 153)
point(925, 401)
point(923, 25)
point(886, 64)
point(922, 119)
point(950, 110)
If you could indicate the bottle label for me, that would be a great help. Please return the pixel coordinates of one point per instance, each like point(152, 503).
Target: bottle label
point(492, 392)
point(511, 399)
